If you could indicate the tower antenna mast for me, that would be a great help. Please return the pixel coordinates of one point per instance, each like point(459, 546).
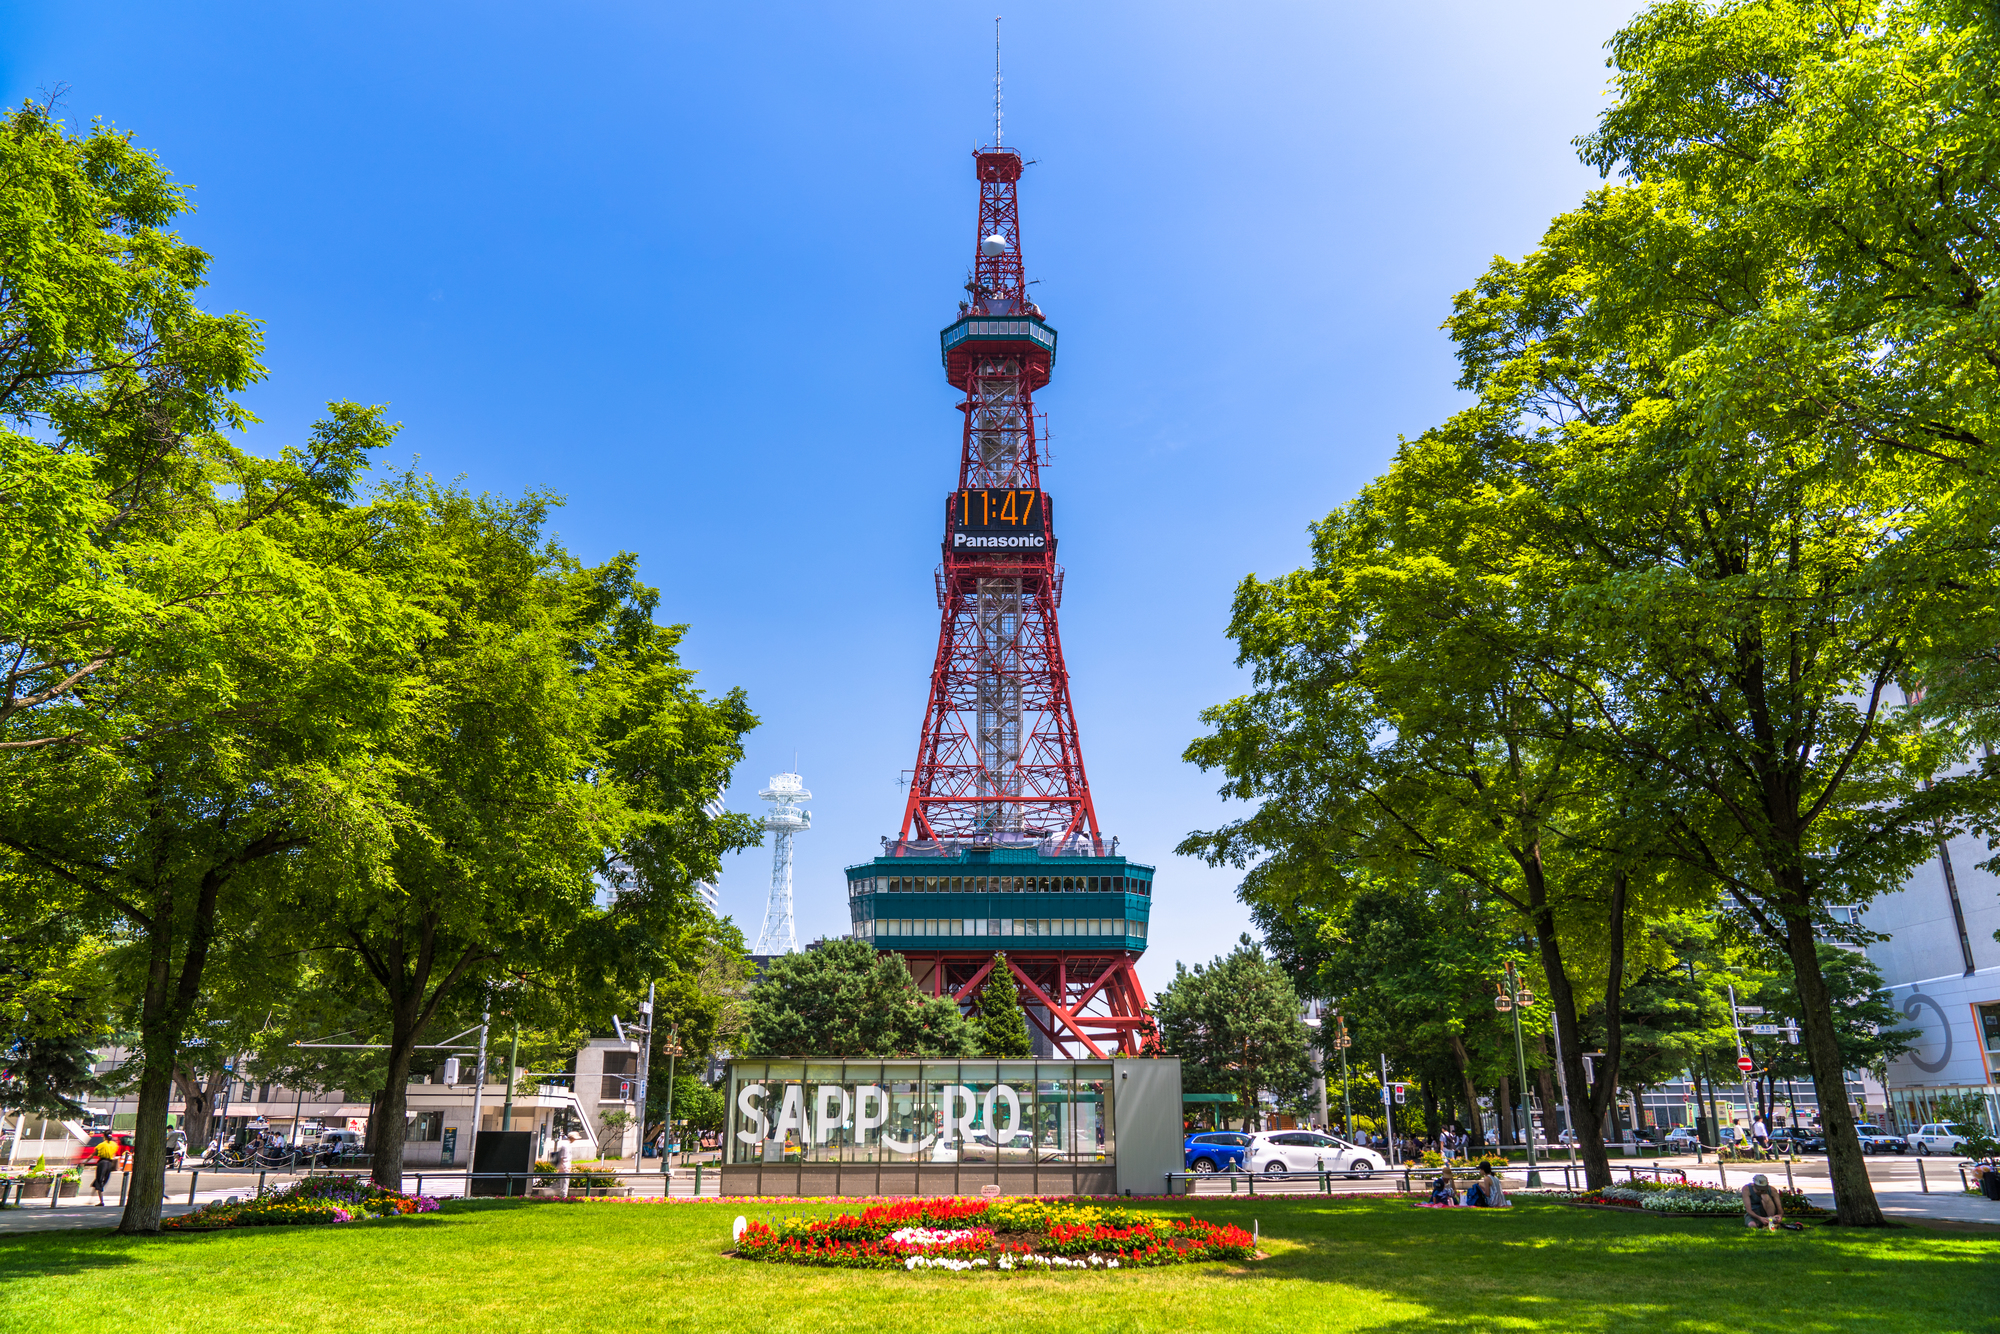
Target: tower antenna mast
point(996, 80)
point(779, 934)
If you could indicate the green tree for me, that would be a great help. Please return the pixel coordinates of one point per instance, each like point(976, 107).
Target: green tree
point(113, 380)
point(846, 999)
point(193, 660)
point(1416, 969)
point(999, 1024)
point(1791, 508)
point(1235, 1023)
point(556, 745)
point(1417, 710)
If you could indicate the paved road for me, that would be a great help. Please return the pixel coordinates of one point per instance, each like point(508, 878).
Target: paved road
point(1913, 1187)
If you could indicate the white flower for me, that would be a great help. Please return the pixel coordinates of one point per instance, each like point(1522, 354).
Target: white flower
point(920, 1236)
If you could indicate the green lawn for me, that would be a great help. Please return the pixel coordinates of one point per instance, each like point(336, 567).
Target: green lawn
point(1356, 1265)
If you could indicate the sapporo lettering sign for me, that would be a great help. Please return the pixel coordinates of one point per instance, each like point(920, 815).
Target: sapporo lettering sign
point(867, 1113)
point(991, 519)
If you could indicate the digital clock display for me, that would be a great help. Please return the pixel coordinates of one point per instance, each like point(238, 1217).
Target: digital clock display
point(996, 520)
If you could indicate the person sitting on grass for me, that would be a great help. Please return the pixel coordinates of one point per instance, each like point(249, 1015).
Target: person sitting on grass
point(1762, 1209)
point(1444, 1190)
point(1486, 1192)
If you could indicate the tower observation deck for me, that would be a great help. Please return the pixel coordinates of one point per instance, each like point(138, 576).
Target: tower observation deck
point(1000, 848)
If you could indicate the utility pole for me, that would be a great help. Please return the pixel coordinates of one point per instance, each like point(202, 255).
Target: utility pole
point(666, 1147)
point(1562, 1087)
point(513, 1076)
point(478, 1093)
point(1750, 1100)
point(645, 1073)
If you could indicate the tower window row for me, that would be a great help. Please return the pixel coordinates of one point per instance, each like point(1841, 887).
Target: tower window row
point(999, 926)
point(999, 884)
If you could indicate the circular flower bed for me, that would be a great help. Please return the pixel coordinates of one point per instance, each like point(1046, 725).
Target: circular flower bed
point(328, 1199)
point(998, 1235)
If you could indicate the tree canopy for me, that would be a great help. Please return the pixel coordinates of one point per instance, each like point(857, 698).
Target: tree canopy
point(1691, 611)
point(843, 998)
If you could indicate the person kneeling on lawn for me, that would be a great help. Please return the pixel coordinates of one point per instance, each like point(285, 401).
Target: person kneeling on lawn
point(1762, 1208)
point(1444, 1190)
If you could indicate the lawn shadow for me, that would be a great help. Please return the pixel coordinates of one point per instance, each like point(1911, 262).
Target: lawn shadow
point(1541, 1265)
point(66, 1251)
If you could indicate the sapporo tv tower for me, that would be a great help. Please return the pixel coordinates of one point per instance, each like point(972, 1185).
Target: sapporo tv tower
point(1000, 848)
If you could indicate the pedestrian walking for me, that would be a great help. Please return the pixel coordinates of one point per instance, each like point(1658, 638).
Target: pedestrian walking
point(105, 1156)
point(565, 1162)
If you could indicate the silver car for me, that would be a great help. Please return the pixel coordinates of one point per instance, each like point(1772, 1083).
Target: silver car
point(1308, 1151)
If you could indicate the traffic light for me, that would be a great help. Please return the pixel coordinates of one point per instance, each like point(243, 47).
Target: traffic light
point(1399, 1094)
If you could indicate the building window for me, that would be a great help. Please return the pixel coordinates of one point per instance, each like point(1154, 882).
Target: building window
point(425, 1127)
point(615, 1089)
point(621, 1062)
point(1989, 1033)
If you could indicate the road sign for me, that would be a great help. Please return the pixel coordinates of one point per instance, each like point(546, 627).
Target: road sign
point(1749, 1009)
point(1765, 1030)
point(1386, 1095)
point(1745, 1064)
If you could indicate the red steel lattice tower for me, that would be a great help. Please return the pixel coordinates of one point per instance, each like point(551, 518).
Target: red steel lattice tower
point(1000, 850)
point(999, 759)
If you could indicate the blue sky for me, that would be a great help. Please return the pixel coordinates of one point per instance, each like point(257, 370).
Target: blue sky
point(686, 265)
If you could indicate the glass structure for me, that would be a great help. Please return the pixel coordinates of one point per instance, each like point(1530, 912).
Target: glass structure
point(847, 1127)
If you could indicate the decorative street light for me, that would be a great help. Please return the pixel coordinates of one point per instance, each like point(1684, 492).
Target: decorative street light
point(1341, 1043)
point(1516, 998)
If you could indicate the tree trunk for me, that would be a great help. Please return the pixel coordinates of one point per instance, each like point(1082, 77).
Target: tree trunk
point(1506, 1107)
point(198, 1102)
point(159, 1046)
point(389, 1130)
point(1586, 1104)
point(1853, 1195)
point(168, 1001)
point(1475, 1127)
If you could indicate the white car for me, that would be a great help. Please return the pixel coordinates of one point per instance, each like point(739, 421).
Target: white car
point(1281, 1151)
point(1939, 1137)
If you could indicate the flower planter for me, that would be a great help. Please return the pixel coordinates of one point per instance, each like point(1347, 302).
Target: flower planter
point(37, 1188)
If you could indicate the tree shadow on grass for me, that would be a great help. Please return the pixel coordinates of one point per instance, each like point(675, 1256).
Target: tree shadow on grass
point(1542, 1266)
point(71, 1251)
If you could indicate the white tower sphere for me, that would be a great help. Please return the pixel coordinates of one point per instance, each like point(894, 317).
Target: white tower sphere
point(995, 244)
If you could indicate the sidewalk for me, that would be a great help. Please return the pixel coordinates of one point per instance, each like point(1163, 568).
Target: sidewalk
point(73, 1216)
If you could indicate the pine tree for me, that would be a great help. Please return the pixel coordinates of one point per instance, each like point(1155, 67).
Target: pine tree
point(1001, 1026)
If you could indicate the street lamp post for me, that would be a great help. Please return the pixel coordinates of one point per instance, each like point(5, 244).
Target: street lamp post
point(1513, 1000)
point(673, 1049)
point(1341, 1043)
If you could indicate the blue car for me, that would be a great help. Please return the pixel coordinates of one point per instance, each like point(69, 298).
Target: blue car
point(1216, 1151)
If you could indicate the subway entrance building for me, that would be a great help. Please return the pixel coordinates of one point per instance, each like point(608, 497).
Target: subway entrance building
point(874, 1127)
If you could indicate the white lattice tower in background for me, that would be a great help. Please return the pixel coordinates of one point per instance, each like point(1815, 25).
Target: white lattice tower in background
point(786, 818)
